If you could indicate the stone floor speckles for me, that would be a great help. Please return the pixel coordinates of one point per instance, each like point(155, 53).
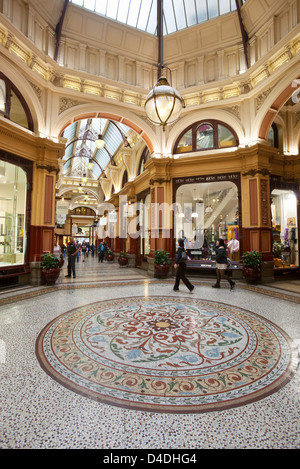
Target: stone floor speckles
point(37, 412)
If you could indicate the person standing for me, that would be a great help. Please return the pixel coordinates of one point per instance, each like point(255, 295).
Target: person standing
point(71, 252)
point(78, 246)
point(222, 265)
point(101, 251)
point(84, 250)
point(56, 250)
point(180, 265)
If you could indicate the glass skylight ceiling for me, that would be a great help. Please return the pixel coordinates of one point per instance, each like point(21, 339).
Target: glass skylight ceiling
point(81, 138)
point(142, 14)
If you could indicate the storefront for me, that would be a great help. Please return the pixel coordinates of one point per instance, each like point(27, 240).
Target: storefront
point(144, 211)
point(15, 177)
point(207, 208)
point(285, 226)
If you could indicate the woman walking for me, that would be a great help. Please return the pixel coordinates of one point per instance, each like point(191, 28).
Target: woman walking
point(221, 264)
point(180, 265)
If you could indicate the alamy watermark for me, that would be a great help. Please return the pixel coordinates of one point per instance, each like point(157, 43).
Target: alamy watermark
point(153, 219)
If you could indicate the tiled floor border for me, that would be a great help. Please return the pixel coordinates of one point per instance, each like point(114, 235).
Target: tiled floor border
point(44, 290)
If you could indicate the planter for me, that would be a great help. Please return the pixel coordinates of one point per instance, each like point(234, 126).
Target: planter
point(161, 270)
point(61, 263)
point(123, 261)
point(110, 257)
point(251, 275)
point(50, 276)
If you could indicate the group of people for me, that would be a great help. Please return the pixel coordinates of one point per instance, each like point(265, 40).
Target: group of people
point(74, 249)
point(221, 266)
point(221, 259)
point(85, 249)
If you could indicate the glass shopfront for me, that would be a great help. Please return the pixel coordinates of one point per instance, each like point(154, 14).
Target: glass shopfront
point(13, 191)
point(143, 246)
point(284, 228)
point(207, 208)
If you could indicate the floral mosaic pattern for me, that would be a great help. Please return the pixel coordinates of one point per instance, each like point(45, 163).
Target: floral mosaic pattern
point(166, 354)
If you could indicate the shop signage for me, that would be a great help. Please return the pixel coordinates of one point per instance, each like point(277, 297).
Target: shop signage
point(209, 178)
point(113, 217)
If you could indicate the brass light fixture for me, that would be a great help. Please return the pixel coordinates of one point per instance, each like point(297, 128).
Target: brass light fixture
point(90, 164)
point(100, 143)
point(163, 104)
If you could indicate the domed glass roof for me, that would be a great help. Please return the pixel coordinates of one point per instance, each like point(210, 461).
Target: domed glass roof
point(142, 14)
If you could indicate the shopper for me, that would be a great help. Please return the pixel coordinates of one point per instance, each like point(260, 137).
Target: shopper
point(84, 251)
point(222, 265)
point(180, 265)
point(71, 251)
point(78, 246)
point(56, 250)
point(101, 251)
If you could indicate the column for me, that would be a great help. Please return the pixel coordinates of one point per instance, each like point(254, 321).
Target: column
point(43, 197)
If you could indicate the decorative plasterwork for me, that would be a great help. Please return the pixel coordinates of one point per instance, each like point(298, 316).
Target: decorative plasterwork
point(52, 73)
point(38, 91)
point(67, 103)
point(255, 172)
point(261, 98)
point(235, 110)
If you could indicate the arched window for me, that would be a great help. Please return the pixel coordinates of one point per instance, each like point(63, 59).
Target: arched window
point(273, 136)
point(13, 105)
point(144, 158)
point(125, 178)
point(206, 135)
point(83, 211)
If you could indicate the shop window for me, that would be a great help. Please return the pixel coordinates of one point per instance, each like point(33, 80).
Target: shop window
point(144, 217)
point(204, 213)
point(284, 228)
point(13, 190)
point(142, 211)
point(206, 135)
point(13, 105)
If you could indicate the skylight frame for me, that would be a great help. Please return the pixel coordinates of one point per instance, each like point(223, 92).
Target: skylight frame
point(177, 16)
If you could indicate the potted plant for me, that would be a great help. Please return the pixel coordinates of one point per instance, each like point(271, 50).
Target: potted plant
point(252, 261)
point(123, 258)
point(50, 268)
point(109, 255)
point(161, 262)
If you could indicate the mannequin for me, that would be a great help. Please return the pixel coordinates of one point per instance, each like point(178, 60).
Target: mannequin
point(233, 246)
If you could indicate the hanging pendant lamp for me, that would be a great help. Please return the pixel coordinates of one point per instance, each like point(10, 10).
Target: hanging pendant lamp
point(100, 143)
point(163, 104)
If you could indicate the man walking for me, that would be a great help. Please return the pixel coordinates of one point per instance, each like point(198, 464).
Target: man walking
point(71, 252)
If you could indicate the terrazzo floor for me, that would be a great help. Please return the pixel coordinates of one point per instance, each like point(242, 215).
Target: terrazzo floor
point(36, 412)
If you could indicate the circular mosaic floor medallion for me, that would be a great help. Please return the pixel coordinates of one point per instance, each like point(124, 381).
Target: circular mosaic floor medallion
point(164, 354)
